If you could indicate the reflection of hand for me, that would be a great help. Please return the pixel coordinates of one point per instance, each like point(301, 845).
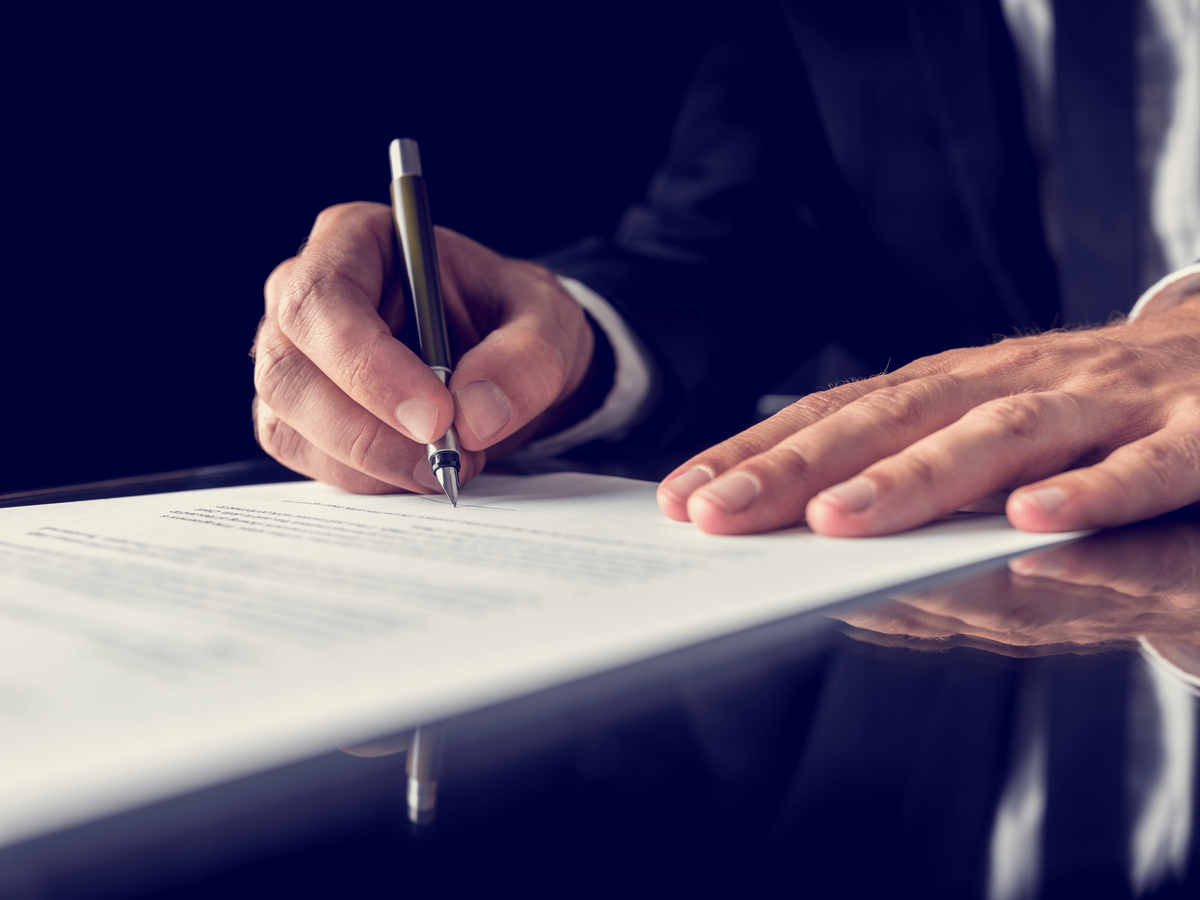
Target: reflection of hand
point(898, 450)
point(1116, 586)
point(342, 400)
point(1156, 564)
point(383, 747)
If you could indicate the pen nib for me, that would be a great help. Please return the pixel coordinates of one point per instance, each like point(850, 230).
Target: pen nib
point(447, 477)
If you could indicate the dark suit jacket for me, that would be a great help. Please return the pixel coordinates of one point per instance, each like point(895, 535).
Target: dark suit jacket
point(855, 171)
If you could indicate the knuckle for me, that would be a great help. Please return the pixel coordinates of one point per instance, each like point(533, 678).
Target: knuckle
point(258, 333)
point(366, 444)
point(1159, 462)
point(741, 446)
point(789, 464)
point(1019, 417)
point(277, 371)
point(921, 471)
point(268, 433)
point(331, 215)
point(275, 438)
point(1021, 353)
point(355, 366)
point(1171, 464)
point(300, 300)
point(817, 406)
point(313, 290)
point(264, 434)
point(1116, 489)
point(938, 364)
point(258, 420)
point(278, 276)
point(898, 409)
point(328, 215)
point(1111, 364)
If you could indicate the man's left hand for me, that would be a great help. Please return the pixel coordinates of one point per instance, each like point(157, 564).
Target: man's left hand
point(1080, 429)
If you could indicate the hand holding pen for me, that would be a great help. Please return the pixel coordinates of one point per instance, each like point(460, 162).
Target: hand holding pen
point(340, 399)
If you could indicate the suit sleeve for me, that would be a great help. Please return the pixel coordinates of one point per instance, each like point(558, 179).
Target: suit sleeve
point(723, 270)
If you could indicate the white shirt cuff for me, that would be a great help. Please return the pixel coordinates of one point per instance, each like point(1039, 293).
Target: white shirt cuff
point(633, 378)
point(632, 381)
point(1169, 291)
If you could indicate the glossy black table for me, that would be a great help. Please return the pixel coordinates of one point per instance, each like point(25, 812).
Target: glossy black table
point(1029, 730)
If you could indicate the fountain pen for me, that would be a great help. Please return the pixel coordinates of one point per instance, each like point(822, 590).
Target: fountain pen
point(414, 230)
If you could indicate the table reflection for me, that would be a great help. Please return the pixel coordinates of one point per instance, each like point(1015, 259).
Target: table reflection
point(1027, 732)
point(1137, 589)
point(1115, 590)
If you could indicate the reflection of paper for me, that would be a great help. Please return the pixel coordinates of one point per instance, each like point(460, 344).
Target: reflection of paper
point(151, 645)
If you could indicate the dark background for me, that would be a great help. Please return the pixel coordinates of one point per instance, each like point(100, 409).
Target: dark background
point(157, 164)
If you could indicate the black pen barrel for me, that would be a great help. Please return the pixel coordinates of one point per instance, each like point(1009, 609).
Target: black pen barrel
point(414, 228)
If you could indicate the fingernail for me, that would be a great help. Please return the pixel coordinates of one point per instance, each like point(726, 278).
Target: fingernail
point(681, 487)
point(1048, 499)
point(851, 496)
point(423, 475)
point(418, 418)
point(485, 408)
point(733, 493)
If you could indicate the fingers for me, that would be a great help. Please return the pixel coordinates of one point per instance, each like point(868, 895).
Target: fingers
point(326, 304)
point(286, 445)
point(1145, 478)
point(292, 389)
point(990, 448)
point(948, 431)
point(770, 490)
point(905, 454)
point(309, 424)
point(697, 472)
point(536, 354)
point(339, 394)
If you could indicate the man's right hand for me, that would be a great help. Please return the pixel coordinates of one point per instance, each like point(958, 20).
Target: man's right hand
point(341, 399)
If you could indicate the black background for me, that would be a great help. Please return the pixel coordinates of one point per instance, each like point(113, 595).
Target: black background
point(158, 163)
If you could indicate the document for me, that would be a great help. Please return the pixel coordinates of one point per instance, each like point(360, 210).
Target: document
point(155, 645)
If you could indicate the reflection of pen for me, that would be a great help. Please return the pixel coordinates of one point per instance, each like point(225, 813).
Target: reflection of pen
point(414, 228)
point(423, 764)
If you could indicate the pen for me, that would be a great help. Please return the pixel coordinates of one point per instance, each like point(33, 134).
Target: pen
point(414, 229)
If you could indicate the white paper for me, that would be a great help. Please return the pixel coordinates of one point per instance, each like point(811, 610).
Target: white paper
point(153, 645)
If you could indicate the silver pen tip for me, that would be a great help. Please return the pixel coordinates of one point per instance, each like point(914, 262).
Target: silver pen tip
point(447, 477)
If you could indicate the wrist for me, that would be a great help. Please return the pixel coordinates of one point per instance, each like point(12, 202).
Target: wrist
point(1181, 287)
